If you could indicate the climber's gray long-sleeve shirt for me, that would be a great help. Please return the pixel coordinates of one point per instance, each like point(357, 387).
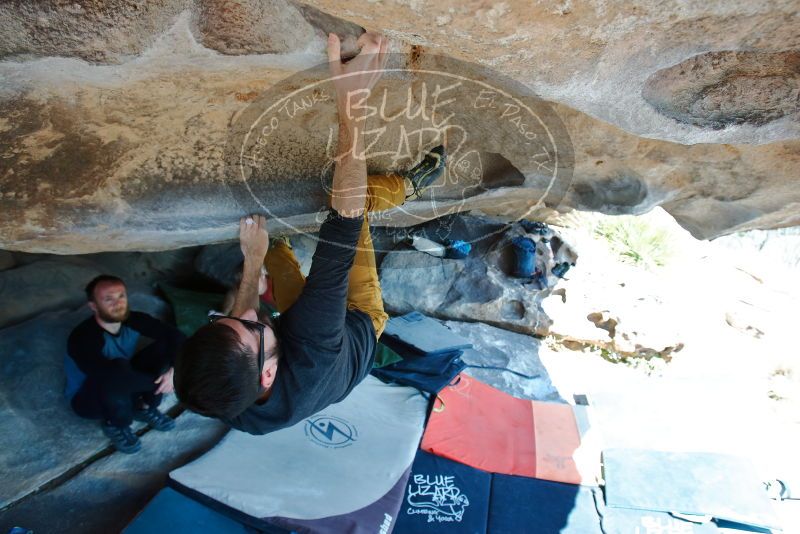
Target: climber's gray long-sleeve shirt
point(326, 348)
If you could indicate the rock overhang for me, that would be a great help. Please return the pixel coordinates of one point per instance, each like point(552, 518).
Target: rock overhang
point(123, 150)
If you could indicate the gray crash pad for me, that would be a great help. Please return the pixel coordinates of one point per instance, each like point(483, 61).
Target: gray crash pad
point(336, 462)
point(626, 520)
point(722, 486)
point(425, 335)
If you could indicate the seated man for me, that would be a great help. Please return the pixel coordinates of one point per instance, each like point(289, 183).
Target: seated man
point(107, 378)
point(260, 377)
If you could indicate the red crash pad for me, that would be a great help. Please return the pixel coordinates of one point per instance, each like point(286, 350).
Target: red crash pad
point(478, 425)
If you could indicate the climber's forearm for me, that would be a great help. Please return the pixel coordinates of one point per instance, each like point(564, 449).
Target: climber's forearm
point(349, 193)
point(247, 293)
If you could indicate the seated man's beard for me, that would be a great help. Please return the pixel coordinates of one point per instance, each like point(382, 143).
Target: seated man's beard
point(114, 317)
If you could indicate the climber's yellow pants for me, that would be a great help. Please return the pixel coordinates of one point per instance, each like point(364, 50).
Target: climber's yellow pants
point(364, 290)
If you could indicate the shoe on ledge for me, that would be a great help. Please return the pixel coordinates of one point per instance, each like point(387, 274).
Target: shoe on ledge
point(154, 418)
point(122, 437)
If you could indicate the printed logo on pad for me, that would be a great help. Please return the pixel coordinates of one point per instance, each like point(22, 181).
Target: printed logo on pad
point(386, 525)
point(437, 497)
point(331, 432)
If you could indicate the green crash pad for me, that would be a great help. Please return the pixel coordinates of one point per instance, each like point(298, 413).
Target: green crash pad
point(191, 307)
point(385, 356)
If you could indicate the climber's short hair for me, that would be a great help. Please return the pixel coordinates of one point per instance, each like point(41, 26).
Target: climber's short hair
point(216, 374)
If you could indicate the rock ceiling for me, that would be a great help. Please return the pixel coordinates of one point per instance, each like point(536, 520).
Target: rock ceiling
point(116, 116)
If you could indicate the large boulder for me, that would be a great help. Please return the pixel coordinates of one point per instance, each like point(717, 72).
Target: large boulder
point(43, 286)
point(94, 31)
point(221, 263)
point(118, 141)
point(44, 282)
point(252, 26)
point(7, 260)
point(478, 288)
point(112, 32)
point(701, 73)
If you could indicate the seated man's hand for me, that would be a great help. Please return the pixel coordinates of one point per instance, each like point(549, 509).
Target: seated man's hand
point(165, 382)
point(253, 237)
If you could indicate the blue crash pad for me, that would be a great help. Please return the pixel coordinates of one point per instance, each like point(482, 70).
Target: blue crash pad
point(724, 487)
point(443, 496)
point(530, 505)
point(425, 335)
point(171, 512)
